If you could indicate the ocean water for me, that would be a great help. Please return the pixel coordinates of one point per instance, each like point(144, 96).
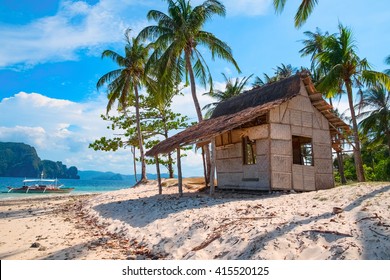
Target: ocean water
point(81, 186)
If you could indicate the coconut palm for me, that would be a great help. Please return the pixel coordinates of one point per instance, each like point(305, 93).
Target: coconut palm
point(345, 70)
point(305, 9)
point(284, 71)
point(123, 84)
point(313, 45)
point(375, 115)
point(177, 40)
point(259, 82)
point(232, 88)
point(281, 72)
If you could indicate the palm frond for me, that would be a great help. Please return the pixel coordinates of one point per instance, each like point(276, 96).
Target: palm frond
point(305, 9)
point(279, 5)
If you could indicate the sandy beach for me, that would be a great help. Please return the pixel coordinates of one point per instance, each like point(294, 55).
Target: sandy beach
point(349, 222)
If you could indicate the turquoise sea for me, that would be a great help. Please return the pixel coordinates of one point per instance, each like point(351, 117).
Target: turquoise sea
point(81, 186)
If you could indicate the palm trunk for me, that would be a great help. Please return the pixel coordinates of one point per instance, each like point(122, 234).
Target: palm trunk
point(134, 163)
point(388, 137)
point(341, 167)
point(193, 87)
point(140, 138)
point(158, 175)
point(170, 165)
point(206, 150)
point(356, 149)
point(171, 172)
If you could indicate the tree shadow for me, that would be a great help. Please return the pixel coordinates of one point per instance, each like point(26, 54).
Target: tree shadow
point(141, 212)
point(258, 243)
point(23, 213)
point(72, 253)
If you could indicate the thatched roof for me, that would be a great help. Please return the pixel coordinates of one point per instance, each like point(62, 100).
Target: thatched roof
point(241, 109)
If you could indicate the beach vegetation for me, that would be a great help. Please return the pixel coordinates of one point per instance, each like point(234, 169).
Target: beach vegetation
point(341, 70)
point(280, 72)
point(179, 43)
point(232, 88)
point(304, 10)
point(374, 107)
point(157, 121)
point(123, 84)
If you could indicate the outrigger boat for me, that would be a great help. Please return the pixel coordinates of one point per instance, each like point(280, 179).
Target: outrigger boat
point(40, 186)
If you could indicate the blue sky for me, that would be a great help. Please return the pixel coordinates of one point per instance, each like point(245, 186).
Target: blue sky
point(50, 63)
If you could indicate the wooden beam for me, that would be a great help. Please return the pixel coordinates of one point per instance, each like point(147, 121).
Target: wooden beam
point(158, 175)
point(324, 107)
point(318, 102)
point(212, 171)
point(315, 96)
point(179, 175)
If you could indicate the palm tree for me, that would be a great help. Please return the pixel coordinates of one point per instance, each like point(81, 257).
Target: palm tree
point(232, 88)
point(375, 117)
point(123, 84)
point(178, 36)
point(177, 39)
point(345, 70)
point(314, 45)
point(305, 9)
point(259, 82)
point(281, 72)
point(284, 71)
point(387, 61)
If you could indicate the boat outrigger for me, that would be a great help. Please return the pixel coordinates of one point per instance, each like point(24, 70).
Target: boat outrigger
point(40, 186)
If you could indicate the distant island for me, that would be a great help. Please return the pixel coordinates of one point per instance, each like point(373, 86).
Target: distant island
point(22, 160)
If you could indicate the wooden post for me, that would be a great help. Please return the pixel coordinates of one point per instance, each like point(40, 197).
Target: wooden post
point(212, 169)
point(179, 176)
point(158, 175)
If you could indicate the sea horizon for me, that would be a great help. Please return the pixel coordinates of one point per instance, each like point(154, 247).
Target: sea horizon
point(81, 186)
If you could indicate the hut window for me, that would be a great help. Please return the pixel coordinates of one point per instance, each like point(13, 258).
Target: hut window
point(249, 148)
point(224, 139)
point(302, 150)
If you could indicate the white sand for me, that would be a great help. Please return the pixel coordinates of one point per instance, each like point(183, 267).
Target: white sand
point(246, 226)
point(349, 222)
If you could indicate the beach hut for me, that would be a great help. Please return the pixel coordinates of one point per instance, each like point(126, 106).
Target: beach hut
point(276, 137)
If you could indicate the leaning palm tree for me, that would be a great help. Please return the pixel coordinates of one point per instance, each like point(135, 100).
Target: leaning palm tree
point(343, 71)
point(123, 84)
point(232, 88)
point(177, 40)
point(305, 9)
point(375, 115)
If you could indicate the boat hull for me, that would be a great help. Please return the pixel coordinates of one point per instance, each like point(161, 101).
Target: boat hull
point(40, 190)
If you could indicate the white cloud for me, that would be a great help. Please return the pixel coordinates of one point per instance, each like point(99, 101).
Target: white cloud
point(246, 7)
point(58, 129)
point(76, 26)
point(62, 130)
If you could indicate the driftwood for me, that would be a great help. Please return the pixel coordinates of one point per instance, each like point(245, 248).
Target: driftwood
point(328, 232)
point(217, 232)
point(206, 243)
point(246, 218)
